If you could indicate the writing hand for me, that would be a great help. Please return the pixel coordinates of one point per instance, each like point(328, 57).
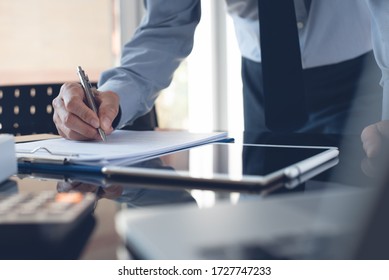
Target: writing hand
point(75, 120)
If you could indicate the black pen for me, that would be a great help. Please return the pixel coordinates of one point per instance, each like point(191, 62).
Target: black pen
point(89, 96)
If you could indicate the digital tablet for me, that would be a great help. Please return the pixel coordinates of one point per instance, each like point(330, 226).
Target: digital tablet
point(228, 165)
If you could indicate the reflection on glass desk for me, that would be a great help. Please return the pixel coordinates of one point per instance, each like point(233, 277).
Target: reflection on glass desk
point(103, 242)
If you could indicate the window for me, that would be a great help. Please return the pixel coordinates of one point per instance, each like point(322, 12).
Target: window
point(206, 92)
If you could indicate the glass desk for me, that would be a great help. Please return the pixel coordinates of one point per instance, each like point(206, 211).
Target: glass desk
point(96, 238)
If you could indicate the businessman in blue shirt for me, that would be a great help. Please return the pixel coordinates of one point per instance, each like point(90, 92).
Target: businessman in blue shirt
point(336, 42)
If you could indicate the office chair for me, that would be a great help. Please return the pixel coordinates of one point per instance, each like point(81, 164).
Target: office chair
point(27, 109)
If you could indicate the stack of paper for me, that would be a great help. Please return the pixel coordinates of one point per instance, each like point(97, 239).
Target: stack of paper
point(121, 147)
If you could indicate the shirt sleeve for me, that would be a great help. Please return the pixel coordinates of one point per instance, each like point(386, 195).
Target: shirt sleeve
point(380, 31)
point(162, 40)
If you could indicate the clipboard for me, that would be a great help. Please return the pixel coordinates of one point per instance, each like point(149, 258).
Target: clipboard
point(56, 167)
point(54, 163)
point(121, 147)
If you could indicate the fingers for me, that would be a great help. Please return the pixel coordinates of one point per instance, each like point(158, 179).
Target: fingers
point(73, 98)
point(108, 109)
point(375, 139)
point(75, 120)
point(383, 128)
point(70, 134)
point(371, 140)
point(72, 117)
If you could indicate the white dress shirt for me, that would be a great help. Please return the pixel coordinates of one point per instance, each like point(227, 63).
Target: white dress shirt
point(330, 31)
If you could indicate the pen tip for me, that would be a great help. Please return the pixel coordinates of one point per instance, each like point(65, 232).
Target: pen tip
point(102, 135)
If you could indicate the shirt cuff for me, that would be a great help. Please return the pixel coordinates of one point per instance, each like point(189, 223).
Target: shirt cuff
point(130, 101)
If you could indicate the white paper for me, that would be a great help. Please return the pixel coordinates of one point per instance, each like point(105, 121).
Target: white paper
point(121, 147)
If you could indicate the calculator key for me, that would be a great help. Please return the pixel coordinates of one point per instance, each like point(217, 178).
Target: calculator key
point(48, 207)
point(73, 197)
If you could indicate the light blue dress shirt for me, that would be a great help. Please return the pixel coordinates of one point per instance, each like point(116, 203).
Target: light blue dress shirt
point(330, 31)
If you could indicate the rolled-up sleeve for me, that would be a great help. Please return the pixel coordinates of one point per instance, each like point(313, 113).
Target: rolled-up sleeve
point(380, 29)
point(163, 39)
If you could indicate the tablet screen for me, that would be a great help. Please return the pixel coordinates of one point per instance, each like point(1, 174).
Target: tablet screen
point(231, 162)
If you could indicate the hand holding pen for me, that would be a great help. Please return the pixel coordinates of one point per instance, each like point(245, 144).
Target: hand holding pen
point(74, 118)
point(90, 98)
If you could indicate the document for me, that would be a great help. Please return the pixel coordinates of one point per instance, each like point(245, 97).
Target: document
point(121, 148)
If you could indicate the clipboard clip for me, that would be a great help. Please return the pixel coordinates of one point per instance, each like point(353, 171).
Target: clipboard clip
point(32, 156)
point(48, 151)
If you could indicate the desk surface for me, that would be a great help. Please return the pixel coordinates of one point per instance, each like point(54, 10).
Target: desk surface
point(103, 241)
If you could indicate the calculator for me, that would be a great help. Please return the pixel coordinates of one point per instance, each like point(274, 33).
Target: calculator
point(45, 225)
point(49, 207)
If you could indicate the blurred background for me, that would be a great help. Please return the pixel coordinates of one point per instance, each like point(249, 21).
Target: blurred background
point(43, 41)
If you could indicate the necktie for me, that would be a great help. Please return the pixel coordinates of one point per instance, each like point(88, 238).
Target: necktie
point(284, 97)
